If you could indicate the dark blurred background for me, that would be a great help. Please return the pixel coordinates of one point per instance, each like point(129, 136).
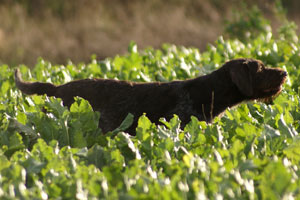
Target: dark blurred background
point(61, 30)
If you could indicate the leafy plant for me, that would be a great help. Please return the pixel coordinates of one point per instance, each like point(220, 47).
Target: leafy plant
point(248, 24)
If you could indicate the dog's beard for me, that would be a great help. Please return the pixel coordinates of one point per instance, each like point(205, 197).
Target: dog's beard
point(269, 99)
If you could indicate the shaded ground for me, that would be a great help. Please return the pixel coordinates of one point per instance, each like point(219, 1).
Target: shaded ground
point(62, 31)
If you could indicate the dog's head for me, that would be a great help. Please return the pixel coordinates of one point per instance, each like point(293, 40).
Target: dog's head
point(254, 80)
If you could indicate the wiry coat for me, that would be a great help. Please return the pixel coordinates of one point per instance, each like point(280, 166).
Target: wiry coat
point(204, 97)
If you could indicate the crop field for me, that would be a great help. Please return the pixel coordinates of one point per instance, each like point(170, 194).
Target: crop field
point(251, 152)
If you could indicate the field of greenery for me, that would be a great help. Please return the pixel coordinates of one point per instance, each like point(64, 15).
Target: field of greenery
point(252, 152)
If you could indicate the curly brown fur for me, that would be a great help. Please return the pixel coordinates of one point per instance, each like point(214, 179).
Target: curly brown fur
point(204, 97)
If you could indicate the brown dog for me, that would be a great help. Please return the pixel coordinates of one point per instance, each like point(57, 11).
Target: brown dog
point(204, 97)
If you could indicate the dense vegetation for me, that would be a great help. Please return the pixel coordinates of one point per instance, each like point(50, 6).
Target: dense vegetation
point(252, 152)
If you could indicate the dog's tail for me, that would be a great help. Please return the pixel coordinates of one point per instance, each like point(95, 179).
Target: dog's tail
point(34, 87)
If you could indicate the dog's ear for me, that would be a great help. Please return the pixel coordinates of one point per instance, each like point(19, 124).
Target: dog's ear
point(241, 77)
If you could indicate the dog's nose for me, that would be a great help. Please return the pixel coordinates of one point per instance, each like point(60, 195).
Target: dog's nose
point(284, 73)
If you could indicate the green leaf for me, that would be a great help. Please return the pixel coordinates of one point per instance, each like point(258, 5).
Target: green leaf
point(97, 156)
point(285, 129)
point(293, 151)
point(79, 140)
point(132, 48)
point(270, 132)
point(15, 143)
point(276, 181)
point(236, 148)
point(33, 166)
point(5, 87)
point(144, 125)
point(127, 122)
point(4, 163)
